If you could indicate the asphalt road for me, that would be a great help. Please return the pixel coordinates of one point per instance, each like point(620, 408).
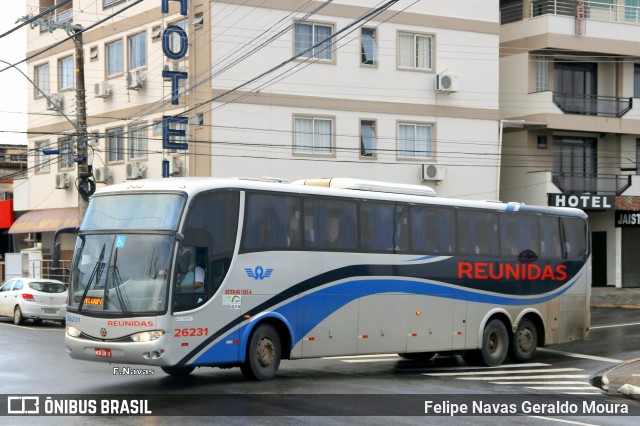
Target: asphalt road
point(33, 360)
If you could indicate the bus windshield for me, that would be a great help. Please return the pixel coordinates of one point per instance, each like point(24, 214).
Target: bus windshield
point(134, 211)
point(122, 273)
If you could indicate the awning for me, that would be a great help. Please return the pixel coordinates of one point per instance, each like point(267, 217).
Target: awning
point(49, 220)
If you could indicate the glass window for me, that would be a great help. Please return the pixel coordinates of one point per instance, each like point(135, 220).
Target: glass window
point(137, 51)
point(542, 73)
point(42, 79)
point(18, 285)
point(632, 10)
point(137, 142)
point(432, 230)
point(174, 40)
point(368, 140)
point(519, 236)
point(272, 222)
point(550, 232)
point(42, 161)
point(330, 224)
point(636, 81)
point(383, 227)
point(66, 153)
point(638, 156)
point(7, 286)
point(477, 233)
point(313, 135)
point(65, 73)
point(115, 145)
point(47, 287)
point(415, 51)
point(414, 140)
point(369, 46)
point(114, 58)
point(309, 35)
point(575, 237)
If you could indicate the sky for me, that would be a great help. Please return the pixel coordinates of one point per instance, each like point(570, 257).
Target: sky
point(13, 85)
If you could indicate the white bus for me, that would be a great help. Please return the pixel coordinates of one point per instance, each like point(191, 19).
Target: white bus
point(309, 269)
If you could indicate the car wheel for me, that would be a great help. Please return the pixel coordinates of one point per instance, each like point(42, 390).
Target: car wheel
point(525, 341)
point(263, 354)
point(18, 319)
point(182, 371)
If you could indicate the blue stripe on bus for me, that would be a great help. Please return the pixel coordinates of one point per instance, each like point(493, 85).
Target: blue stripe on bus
point(346, 292)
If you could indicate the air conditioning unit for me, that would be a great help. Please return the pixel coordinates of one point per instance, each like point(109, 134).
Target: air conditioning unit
point(102, 174)
point(433, 172)
point(63, 181)
point(135, 80)
point(447, 83)
point(135, 170)
point(54, 102)
point(176, 166)
point(102, 90)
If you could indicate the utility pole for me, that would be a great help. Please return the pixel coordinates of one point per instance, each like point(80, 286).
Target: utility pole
point(85, 183)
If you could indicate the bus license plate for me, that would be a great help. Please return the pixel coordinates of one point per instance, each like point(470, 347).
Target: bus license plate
point(106, 353)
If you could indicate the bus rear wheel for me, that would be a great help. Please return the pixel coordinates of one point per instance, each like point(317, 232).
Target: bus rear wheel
point(263, 354)
point(525, 341)
point(182, 371)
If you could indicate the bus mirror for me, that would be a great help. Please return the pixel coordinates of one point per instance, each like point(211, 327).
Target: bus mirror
point(56, 255)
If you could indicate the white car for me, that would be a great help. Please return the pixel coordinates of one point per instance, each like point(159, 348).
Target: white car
point(33, 298)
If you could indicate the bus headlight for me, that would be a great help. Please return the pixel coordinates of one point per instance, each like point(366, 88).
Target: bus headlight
point(72, 331)
point(147, 336)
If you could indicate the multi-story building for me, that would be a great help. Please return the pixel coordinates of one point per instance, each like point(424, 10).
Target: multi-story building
point(569, 83)
point(405, 93)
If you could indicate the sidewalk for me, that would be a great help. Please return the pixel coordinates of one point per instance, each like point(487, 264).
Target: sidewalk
point(625, 378)
point(611, 297)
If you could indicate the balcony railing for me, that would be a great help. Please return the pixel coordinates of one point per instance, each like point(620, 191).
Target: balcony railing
point(603, 106)
point(580, 183)
point(594, 10)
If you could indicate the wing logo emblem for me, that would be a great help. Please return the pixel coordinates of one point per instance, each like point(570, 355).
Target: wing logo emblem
point(259, 273)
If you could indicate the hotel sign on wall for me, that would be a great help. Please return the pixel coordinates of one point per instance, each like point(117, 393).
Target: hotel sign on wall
point(582, 201)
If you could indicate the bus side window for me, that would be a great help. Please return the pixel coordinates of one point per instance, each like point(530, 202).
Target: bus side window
point(477, 232)
point(550, 242)
point(575, 237)
point(272, 222)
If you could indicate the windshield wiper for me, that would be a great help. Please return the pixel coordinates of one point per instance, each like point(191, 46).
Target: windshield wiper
point(116, 280)
point(96, 271)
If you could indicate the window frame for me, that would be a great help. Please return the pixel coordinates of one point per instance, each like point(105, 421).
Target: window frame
point(42, 163)
point(119, 152)
point(108, 56)
point(431, 151)
point(636, 80)
point(65, 146)
point(431, 51)
point(373, 154)
point(313, 54)
point(314, 151)
point(61, 70)
point(139, 133)
point(38, 83)
point(130, 51)
point(375, 61)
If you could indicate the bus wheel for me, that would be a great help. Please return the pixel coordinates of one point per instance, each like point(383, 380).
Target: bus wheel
point(525, 341)
point(179, 371)
point(495, 343)
point(263, 354)
point(418, 356)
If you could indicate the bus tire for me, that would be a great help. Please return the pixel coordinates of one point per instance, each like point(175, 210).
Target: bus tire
point(524, 342)
point(495, 343)
point(263, 354)
point(179, 371)
point(417, 356)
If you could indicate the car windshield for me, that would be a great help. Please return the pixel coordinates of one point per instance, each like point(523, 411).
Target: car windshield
point(122, 273)
point(47, 287)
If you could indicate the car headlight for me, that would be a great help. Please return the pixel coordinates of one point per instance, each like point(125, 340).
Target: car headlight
point(72, 331)
point(147, 336)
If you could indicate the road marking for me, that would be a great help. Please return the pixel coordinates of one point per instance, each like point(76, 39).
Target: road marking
point(615, 325)
point(571, 422)
point(531, 364)
point(575, 355)
point(480, 373)
point(580, 388)
point(550, 382)
point(546, 376)
point(361, 356)
point(370, 360)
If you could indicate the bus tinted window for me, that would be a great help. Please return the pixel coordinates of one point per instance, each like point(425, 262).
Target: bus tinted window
point(383, 227)
point(550, 232)
point(477, 232)
point(330, 224)
point(519, 235)
point(272, 222)
point(575, 241)
point(432, 230)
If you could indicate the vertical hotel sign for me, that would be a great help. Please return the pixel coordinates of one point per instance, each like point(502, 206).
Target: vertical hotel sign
point(168, 122)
